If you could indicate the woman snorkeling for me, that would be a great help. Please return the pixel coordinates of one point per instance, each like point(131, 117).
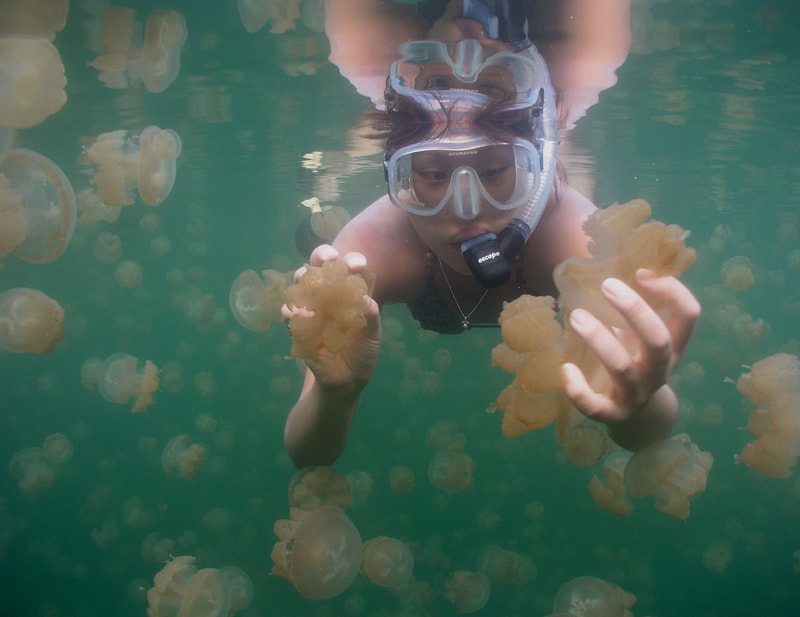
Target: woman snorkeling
point(475, 216)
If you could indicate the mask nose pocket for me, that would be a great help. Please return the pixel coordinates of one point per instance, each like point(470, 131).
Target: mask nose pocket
point(466, 194)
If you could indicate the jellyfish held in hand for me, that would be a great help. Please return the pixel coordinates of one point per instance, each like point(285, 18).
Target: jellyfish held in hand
point(318, 551)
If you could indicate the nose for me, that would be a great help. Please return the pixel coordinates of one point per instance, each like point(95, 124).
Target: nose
point(466, 198)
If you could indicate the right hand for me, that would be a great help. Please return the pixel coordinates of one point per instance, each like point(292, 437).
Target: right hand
point(352, 367)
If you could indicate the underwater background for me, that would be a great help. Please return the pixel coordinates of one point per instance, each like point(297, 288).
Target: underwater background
point(702, 124)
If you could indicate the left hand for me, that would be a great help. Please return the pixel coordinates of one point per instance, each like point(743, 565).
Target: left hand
point(635, 375)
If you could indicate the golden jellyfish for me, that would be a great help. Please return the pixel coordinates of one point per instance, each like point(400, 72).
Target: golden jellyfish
point(717, 555)
point(156, 548)
point(451, 471)
point(31, 471)
point(255, 300)
point(32, 80)
point(91, 369)
point(587, 596)
point(182, 458)
point(508, 567)
point(36, 18)
point(124, 378)
point(57, 449)
point(37, 207)
point(387, 562)
point(240, 587)
point(329, 221)
point(127, 162)
point(737, 274)
point(30, 322)
point(611, 494)
point(585, 444)
point(445, 436)
point(312, 487)
point(401, 480)
point(467, 591)
point(318, 551)
point(92, 210)
point(107, 247)
point(334, 313)
point(164, 35)
point(360, 483)
point(529, 411)
point(673, 470)
point(128, 274)
point(256, 13)
point(181, 589)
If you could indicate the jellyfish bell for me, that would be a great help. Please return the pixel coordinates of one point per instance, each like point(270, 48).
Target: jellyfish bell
point(737, 274)
point(468, 591)
point(57, 449)
point(37, 207)
point(451, 472)
point(181, 589)
point(165, 33)
point(312, 487)
point(32, 76)
point(158, 150)
point(318, 551)
point(30, 322)
point(182, 458)
point(587, 596)
point(387, 562)
point(240, 586)
point(256, 301)
point(123, 378)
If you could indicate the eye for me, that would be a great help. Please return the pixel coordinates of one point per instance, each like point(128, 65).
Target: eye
point(431, 175)
point(437, 82)
point(495, 171)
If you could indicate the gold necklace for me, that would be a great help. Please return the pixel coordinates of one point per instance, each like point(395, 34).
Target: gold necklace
point(464, 318)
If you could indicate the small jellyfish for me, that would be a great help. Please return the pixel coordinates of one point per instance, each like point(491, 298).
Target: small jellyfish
point(318, 551)
point(587, 596)
point(255, 300)
point(585, 444)
point(611, 494)
point(737, 274)
point(31, 471)
point(30, 322)
point(91, 369)
point(467, 591)
point(32, 80)
point(123, 378)
point(182, 458)
point(451, 472)
point(181, 589)
point(156, 548)
point(240, 587)
point(128, 274)
point(504, 566)
point(312, 487)
point(401, 480)
point(57, 449)
point(165, 33)
point(717, 555)
point(387, 562)
point(107, 247)
point(37, 207)
point(329, 221)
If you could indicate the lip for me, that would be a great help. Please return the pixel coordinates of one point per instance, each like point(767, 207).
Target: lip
point(467, 233)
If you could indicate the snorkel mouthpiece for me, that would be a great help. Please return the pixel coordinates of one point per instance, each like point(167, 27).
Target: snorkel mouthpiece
point(489, 257)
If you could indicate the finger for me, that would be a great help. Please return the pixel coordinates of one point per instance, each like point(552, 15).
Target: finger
point(609, 349)
point(656, 341)
point(684, 309)
point(580, 393)
point(373, 314)
point(323, 253)
point(298, 274)
point(355, 262)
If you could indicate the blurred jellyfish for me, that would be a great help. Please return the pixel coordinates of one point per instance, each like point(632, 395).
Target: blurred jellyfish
point(693, 372)
point(42, 18)
point(156, 548)
point(256, 13)
point(585, 444)
point(240, 587)
point(329, 221)
point(360, 483)
point(30, 322)
point(107, 247)
point(165, 32)
point(255, 300)
point(442, 360)
point(737, 274)
point(312, 487)
point(205, 423)
point(587, 596)
point(318, 551)
point(712, 415)
point(611, 494)
point(467, 591)
point(93, 210)
point(387, 562)
point(33, 80)
point(504, 566)
point(451, 472)
point(128, 274)
point(123, 378)
point(717, 556)
point(37, 207)
point(401, 480)
point(57, 449)
point(182, 458)
point(181, 589)
point(217, 520)
point(205, 384)
point(31, 471)
point(124, 162)
point(673, 470)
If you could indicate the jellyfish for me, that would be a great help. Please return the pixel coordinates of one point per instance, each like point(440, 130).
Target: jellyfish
point(401, 480)
point(182, 458)
point(256, 13)
point(673, 470)
point(737, 274)
point(32, 80)
point(165, 32)
point(467, 591)
point(451, 472)
point(329, 221)
point(128, 274)
point(123, 378)
point(181, 589)
point(360, 483)
point(717, 555)
point(585, 444)
point(240, 587)
point(312, 487)
point(127, 162)
point(156, 548)
point(35, 18)
point(31, 471)
point(57, 449)
point(504, 566)
point(318, 551)
point(107, 247)
point(255, 300)
point(387, 562)
point(30, 322)
point(587, 596)
point(37, 207)
point(612, 495)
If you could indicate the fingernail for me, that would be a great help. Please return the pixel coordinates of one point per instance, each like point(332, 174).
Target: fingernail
point(614, 287)
point(644, 274)
point(578, 318)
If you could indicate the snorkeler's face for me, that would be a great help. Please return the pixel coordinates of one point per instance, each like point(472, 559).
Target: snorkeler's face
point(496, 82)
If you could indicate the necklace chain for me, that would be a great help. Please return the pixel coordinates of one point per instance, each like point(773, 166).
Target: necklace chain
point(464, 317)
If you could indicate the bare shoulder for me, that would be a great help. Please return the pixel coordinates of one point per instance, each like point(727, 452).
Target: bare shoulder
point(558, 236)
point(394, 252)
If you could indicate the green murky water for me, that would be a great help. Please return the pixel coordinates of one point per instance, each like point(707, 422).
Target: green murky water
point(702, 124)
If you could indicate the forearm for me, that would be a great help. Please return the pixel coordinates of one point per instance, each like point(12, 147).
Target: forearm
point(650, 424)
point(318, 425)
